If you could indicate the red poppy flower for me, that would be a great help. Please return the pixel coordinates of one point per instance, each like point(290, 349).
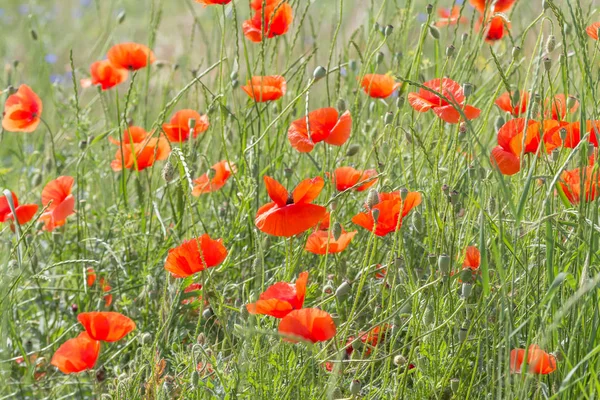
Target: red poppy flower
point(506, 156)
point(141, 155)
point(391, 210)
point(178, 129)
point(592, 30)
point(187, 259)
point(106, 326)
point(221, 173)
point(105, 74)
point(90, 276)
point(266, 88)
point(450, 17)
point(572, 186)
point(379, 86)
point(505, 102)
point(498, 5)
point(347, 178)
point(132, 134)
point(192, 288)
point(25, 212)
point(425, 100)
point(310, 324)
point(108, 298)
point(132, 56)
point(278, 17)
point(554, 129)
point(538, 361)
point(213, 2)
point(323, 242)
point(376, 335)
point(22, 111)
point(496, 27)
point(281, 298)
point(559, 106)
point(472, 258)
point(77, 354)
point(288, 215)
point(323, 125)
point(60, 203)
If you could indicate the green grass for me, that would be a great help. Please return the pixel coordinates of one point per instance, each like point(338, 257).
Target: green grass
point(540, 258)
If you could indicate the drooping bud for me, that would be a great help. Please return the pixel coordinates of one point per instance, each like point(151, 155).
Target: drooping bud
point(444, 263)
point(121, 17)
point(337, 230)
point(388, 30)
point(168, 171)
point(207, 313)
point(146, 338)
point(355, 387)
point(429, 9)
point(319, 73)
point(450, 51)
point(434, 32)
point(372, 198)
point(464, 37)
point(467, 288)
point(571, 101)
point(516, 52)
point(352, 150)
point(547, 64)
point(341, 105)
point(388, 118)
point(342, 291)
point(499, 123)
point(551, 43)
point(235, 83)
point(403, 193)
point(468, 89)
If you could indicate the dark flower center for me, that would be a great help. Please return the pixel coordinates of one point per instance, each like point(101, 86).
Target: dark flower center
point(290, 200)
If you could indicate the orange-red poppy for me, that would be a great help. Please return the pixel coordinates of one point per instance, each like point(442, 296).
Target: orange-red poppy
point(472, 258)
point(506, 156)
point(450, 17)
point(310, 324)
point(106, 326)
point(538, 361)
point(22, 111)
point(324, 242)
point(592, 30)
point(346, 178)
point(141, 155)
point(505, 102)
point(192, 288)
point(572, 131)
point(60, 203)
point(498, 5)
point(391, 211)
point(278, 17)
point(558, 106)
point(281, 298)
point(323, 125)
point(425, 100)
point(495, 27)
point(108, 297)
point(25, 212)
point(131, 56)
point(213, 2)
point(221, 173)
point(132, 134)
point(187, 259)
point(178, 129)
point(572, 185)
point(266, 88)
point(77, 354)
point(379, 86)
point(105, 74)
point(290, 214)
point(90, 274)
point(374, 337)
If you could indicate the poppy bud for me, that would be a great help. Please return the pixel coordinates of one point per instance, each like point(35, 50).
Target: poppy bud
point(121, 17)
point(379, 58)
point(352, 150)
point(462, 334)
point(342, 291)
point(400, 102)
point(352, 64)
point(194, 379)
point(168, 171)
point(375, 214)
point(555, 155)
point(428, 316)
point(34, 34)
point(467, 288)
point(74, 308)
point(434, 32)
point(355, 387)
point(11, 90)
point(235, 83)
point(516, 52)
point(146, 339)
point(450, 51)
point(545, 5)
point(464, 37)
point(547, 64)
point(377, 27)
point(372, 198)
point(468, 89)
point(207, 313)
point(82, 144)
point(590, 148)
point(444, 263)
point(499, 123)
point(201, 339)
point(551, 43)
point(288, 172)
point(388, 30)
point(454, 382)
point(15, 64)
point(445, 189)
point(453, 197)
point(571, 101)
point(337, 230)
point(417, 221)
point(101, 374)
point(403, 193)
point(462, 130)
point(371, 109)
point(388, 118)
point(37, 179)
point(328, 288)
point(341, 105)
point(515, 97)
point(429, 8)
point(319, 73)
point(400, 361)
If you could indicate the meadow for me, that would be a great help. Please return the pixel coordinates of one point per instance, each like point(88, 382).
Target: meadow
point(299, 199)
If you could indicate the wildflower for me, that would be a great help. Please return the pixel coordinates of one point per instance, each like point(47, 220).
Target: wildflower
point(195, 255)
point(90, 276)
point(492, 5)
point(25, 212)
point(323, 125)
point(106, 74)
point(506, 156)
point(558, 106)
point(310, 324)
point(106, 326)
point(132, 134)
point(141, 155)
point(281, 298)
point(131, 56)
point(592, 30)
point(386, 215)
point(106, 288)
point(348, 178)
point(22, 111)
point(472, 258)
point(266, 88)
point(450, 17)
point(213, 2)
point(205, 184)
point(379, 86)
point(506, 102)
point(277, 18)
point(572, 186)
point(425, 100)
point(538, 361)
point(324, 241)
point(77, 354)
point(290, 214)
point(60, 203)
point(179, 127)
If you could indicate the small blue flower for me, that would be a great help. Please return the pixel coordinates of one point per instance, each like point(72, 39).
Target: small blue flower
point(24, 9)
point(422, 17)
point(51, 58)
point(343, 71)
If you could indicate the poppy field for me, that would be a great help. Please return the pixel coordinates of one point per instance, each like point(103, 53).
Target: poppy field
point(291, 199)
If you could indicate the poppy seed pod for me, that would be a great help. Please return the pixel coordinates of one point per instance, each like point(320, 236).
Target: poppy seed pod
point(403, 193)
point(372, 198)
point(444, 263)
point(388, 118)
point(516, 52)
point(450, 51)
point(288, 172)
point(400, 361)
point(319, 73)
point(551, 43)
point(429, 8)
point(434, 32)
point(467, 288)
point(207, 313)
point(454, 383)
point(341, 105)
point(562, 132)
point(355, 387)
point(388, 30)
point(468, 89)
point(571, 102)
point(375, 214)
point(400, 102)
point(464, 37)
point(555, 155)
point(462, 334)
point(121, 17)
point(499, 122)
point(352, 150)
point(352, 64)
point(342, 291)
point(547, 64)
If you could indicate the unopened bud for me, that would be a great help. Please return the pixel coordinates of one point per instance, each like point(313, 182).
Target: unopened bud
point(82, 144)
point(571, 102)
point(233, 75)
point(195, 378)
point(121, 17)
point(551, 43)
point(235, 83)
point(207, 313)
point(388, 117)
point(192, 123)
point(499, 123)
point(462, 130)
point(516, 52)
point(375, 214)
point(146, 338)
point(288, 172)
point(429, 9)
point(444, 263)
point(450, 51)
point(337, 230)
point(34, 34)
point(342, 291)
point(388, 30)
point(464, 37)
point(400, 361)
point(547, 64)
point(467, 288)
point(352, 64)
point(168, 171)
point(379, 58)
point(555, 155)
point(515, 98)
point(355, 387)
point(341, 105)
point(434, 32)
point(403, 193)
point(352, 150)
point(468, 89)
point(74, 308)
point(319, 73)
point(400, 102)
point(372, 198)
point(328, 289)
